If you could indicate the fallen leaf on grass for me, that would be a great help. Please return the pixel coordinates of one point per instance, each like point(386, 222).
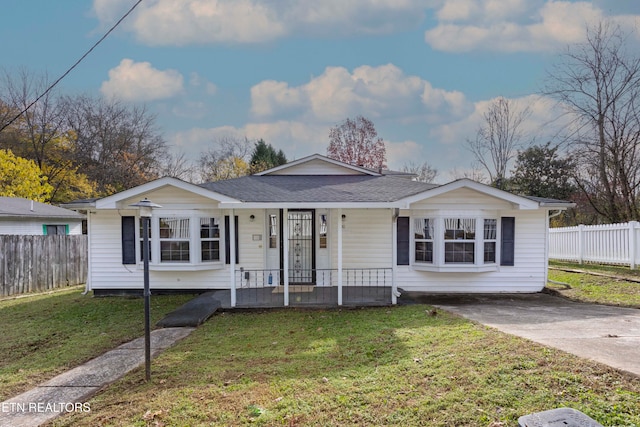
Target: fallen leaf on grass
point(148, 416)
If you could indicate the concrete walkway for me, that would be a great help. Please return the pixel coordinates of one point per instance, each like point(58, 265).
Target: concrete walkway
point(605, 334)
point(71, 390)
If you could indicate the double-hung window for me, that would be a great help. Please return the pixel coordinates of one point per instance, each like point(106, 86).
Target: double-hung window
point(459, 240)
point(209, 240)
point(423, 235)
point(490, 239)
point(174, 237)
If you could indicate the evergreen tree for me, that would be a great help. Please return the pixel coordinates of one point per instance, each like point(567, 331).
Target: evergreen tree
point(264, 157)
point(540, 171)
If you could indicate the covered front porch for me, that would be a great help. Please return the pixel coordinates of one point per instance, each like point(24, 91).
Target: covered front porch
point(312, 256)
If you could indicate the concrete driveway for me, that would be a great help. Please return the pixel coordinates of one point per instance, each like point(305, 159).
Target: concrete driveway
point(609, 335)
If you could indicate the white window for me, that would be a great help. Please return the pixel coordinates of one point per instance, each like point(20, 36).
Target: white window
point(209, 240)
point(273, 231)
point(459, 240)
point(490, 239)
point(444, 242)
point(423, 235)
point(174, 240)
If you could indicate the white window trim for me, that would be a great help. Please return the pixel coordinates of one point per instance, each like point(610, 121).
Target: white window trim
point(195, 262)
point(438, 264)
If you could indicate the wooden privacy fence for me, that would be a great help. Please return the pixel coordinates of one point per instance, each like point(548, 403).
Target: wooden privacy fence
point(605, 244)
point(39, 263)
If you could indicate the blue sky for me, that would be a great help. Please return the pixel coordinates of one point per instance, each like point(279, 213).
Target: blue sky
point(286, 71)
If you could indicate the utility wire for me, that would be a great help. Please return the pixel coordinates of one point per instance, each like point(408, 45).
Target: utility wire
point(71, 68)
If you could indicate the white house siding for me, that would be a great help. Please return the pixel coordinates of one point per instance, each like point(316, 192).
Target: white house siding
point(34, 227)
point(173, 198)
point(527, 275)
point(366, 238)
point(108, 272)
point(316, 167)
point(462, 197)
point(251, 239)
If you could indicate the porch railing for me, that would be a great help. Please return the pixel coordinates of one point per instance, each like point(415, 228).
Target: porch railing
point(360, 286)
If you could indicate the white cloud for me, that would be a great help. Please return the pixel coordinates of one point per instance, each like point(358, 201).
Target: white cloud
point(515, 25)
point(198, 81)
point(375, 92)
point(173, 22)
point(139, 81)
point(297, 139)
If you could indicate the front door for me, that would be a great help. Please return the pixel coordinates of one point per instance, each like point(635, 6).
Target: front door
point(301, 243)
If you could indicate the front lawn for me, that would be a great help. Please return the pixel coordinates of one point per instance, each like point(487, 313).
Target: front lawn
point(44, 335)
point(405, 366)
point(607, 286)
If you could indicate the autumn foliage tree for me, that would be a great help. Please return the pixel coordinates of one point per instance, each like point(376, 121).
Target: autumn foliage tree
point(356, 141)
point(22, 178)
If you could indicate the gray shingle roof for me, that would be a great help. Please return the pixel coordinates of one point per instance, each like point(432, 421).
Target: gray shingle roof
point(318, 188)
point(19, 207)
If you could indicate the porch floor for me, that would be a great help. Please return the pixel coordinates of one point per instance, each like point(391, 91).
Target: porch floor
point(312, 296)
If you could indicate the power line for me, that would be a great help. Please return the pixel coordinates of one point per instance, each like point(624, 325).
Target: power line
point(72, 67)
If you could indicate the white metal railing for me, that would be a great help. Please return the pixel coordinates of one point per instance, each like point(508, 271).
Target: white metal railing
point(606, 244)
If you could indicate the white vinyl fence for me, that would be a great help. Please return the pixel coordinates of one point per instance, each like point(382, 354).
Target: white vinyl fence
point(604, 244)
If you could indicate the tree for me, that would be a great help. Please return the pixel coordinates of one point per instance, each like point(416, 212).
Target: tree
point(424, 172)
point(116, 146)
point(540, 171)
point(356, 142)
point(226, 159)
point(44, 121)
point(22, 178)
point(498, 138)
point(264, 157)
point(598, 83)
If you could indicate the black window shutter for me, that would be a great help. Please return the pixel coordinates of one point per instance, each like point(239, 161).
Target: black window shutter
point(227, 241)
point(128, 239)
point(402, 241)
point(507, 246)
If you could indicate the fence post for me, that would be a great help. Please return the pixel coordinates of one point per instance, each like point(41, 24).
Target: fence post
point(580, 243)
point(632, 243)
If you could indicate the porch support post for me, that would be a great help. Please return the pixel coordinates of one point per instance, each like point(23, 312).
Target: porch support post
point(285, 253)
point(340, 223)
point(232, 254)
point(394, 256)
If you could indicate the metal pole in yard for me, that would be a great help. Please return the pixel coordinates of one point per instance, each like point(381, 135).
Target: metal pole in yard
point(147, 301)
point(146, 207)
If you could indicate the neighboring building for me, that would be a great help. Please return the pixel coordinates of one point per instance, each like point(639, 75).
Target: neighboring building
point(319, 231)
point(24, 216)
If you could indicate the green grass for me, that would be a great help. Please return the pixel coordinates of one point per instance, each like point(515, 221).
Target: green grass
point(597, 288)
point(44, 335)
point(377, 366)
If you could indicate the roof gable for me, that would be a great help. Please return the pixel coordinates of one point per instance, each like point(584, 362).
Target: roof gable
point(518, 202)
point(120, 200)
point(317, 164)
